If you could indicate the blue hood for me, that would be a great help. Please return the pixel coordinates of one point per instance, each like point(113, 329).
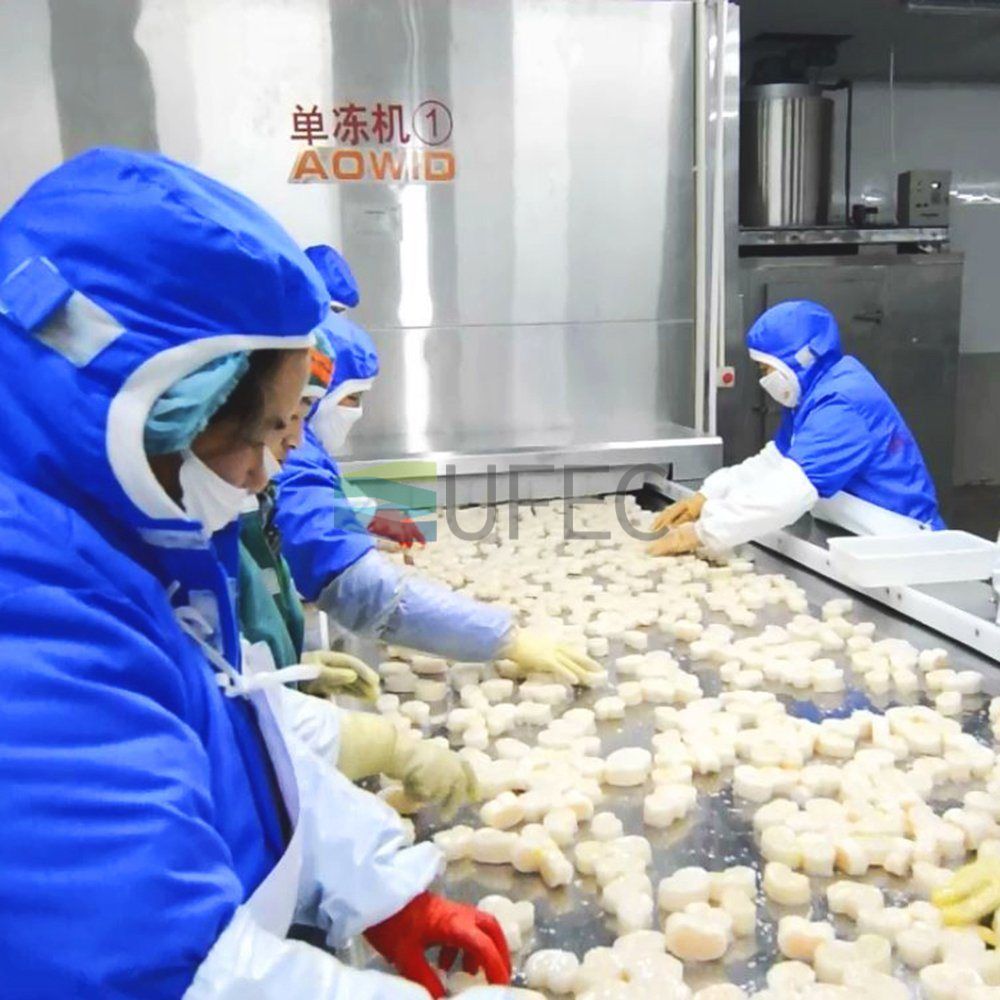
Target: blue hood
point(140, 804)
point(354, 352)
point(120, 273)
point(801, 335)
point(336, 274)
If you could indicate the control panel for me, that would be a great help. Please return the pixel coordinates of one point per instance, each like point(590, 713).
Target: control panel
point(922, 197)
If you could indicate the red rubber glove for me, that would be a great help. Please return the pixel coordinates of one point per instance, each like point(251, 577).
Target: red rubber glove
point(430, 921)
point(397, 527)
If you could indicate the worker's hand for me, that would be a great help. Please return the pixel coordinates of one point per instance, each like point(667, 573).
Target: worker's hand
point(534, 652)
point(972, 893)
point(682, 512)
point(341, 674)
point(432, 773)
point(396, 526)
point(676, 542)
point(431, 921)
point(370, 744)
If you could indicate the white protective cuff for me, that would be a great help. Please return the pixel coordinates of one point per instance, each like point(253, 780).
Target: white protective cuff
point(719, 484)
point(357, 870)
point(779, 496)
point(315, 721)
point(248, 961)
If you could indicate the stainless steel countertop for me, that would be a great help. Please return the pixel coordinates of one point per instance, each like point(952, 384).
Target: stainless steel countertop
point(841, 235)
point(694, 452)
point(718, 834)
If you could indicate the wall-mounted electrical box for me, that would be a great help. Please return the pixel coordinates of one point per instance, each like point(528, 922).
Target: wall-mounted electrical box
point(922, 197)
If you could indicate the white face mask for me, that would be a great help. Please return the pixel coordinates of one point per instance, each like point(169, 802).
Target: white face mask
point(333, 423)
point(781, 387)
point(271, 465)
point(206, 496)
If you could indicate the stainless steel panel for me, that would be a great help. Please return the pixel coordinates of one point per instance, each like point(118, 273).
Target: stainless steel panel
point(977, 458)
point(572, 199)
point(518, 386)
point(785, 147)
point(488, 470)
point(733, 326)
point(548, 286)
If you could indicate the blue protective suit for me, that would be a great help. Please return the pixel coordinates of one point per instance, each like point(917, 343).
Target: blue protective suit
point(845, 433)
point(315, 485)
point(138, 807)
point(355, 356)
point(334, 560)
point(337, 276)
point(842, 449)
point(320, 534)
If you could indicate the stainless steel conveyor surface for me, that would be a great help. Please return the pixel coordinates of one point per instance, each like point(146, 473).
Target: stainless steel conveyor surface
point(965, 612)
point(719, 832)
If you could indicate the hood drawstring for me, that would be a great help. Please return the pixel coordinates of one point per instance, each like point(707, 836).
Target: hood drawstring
point(229, 679)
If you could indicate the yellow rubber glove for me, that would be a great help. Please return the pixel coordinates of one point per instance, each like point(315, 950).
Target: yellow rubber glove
point(972, 893)
point(432, 773)
point(371, 744)
point(676, 542)
point(682, 512)
point(537, 653)
point(341, 673)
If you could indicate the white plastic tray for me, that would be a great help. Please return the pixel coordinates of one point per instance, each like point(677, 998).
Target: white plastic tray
point(923, 557)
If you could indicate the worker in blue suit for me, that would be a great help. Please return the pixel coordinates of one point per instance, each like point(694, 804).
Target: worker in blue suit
point(343, 407)
point(338, 276)
point(842, 450)
point(161, 830)
point(336, 564)
point(360, 744)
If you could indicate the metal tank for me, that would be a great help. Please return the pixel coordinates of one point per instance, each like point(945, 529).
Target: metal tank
point(785, 155)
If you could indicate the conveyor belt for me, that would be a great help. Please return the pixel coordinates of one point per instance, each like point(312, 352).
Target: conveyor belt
point(719, 833)
point(965, 611)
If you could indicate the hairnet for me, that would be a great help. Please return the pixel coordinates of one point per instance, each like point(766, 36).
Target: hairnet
point(184, 410)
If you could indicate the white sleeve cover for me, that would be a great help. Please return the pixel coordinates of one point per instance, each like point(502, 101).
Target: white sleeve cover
point(356, 872)
point(719, 484)
point(315, 721)
point(248, 962)
point(357, 869)
point(780, 495)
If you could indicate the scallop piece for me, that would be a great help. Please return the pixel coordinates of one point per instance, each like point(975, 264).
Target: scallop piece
point(698, 934)
point(799, 938)
point(784, 886)
point(627, 767)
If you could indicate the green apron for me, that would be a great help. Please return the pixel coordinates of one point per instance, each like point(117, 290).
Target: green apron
point(269, 606)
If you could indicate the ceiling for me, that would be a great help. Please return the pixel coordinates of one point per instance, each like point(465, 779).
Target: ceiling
point(928, 47)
